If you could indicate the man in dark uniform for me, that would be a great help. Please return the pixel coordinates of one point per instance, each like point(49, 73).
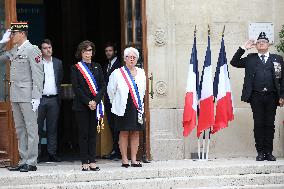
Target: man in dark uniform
point(264, 89)
point(113, 63)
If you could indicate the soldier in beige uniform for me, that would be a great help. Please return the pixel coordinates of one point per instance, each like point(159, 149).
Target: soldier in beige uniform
point(26, 84)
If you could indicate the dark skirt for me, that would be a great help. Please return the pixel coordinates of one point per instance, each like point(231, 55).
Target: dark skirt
point(129, 121)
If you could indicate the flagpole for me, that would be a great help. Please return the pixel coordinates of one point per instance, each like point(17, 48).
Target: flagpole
point(203, 145)
point(204, 134)
point(198, 139)
point(208, 144)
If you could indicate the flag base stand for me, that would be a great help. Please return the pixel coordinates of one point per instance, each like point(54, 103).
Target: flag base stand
point(195, 157)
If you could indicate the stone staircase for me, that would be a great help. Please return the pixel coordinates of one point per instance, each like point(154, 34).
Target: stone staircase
point(175, 174)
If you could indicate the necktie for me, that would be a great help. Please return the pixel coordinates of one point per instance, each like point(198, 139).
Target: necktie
point(109, 66)
point(262, 58)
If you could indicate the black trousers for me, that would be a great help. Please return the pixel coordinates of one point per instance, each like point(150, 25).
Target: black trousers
point(48, 110)
point(114, 132)
point(87, 130)
point(264, 107)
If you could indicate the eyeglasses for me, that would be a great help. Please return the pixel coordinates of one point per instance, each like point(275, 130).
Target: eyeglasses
point(14, 32)
point(131, 57)
point(261, 41)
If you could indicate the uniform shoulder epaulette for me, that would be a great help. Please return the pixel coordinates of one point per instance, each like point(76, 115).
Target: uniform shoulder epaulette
point(36, 49)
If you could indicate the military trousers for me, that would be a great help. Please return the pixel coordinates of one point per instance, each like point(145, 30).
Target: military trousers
point(27, 132)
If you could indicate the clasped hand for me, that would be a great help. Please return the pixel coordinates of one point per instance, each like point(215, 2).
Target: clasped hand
point(281, 102)
point(92, 105)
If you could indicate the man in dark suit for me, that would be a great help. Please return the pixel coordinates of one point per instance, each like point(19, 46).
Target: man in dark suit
point(113, 63)
point(50, 102)
point(264, 89)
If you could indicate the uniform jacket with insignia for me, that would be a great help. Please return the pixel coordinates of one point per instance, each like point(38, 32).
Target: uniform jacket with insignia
point(250, 64)
point(26, 72)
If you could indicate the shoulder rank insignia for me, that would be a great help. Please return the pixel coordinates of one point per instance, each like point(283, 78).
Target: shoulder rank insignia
point(37, 59)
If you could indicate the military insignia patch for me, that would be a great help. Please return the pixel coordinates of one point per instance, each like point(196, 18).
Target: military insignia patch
point(277, 68)
point(37, 59)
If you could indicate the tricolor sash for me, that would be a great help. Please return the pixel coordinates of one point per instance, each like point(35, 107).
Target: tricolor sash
point(133, 89)
point(93, 86)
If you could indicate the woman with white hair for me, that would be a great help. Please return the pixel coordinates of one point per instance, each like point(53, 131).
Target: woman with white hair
point(126, 90)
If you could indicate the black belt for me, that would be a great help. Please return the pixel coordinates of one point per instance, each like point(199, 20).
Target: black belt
point(49, 96)
point(264, 92)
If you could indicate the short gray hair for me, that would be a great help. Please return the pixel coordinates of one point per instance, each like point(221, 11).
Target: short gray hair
point(130, 49)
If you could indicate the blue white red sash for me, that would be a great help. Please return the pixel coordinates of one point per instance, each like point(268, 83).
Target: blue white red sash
point(93, 86)
point(133, 89)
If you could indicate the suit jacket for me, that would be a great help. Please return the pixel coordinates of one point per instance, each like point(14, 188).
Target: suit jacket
point(26, 72)
point(250, 63)
point(81, 89)
point(116, 64)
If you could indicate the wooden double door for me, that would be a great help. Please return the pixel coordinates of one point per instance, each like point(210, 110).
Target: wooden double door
point(131, 32)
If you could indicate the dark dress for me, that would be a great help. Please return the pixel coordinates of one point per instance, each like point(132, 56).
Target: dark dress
point(129, 121)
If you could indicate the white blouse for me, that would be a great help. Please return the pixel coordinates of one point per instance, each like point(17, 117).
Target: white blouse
point(118, 90)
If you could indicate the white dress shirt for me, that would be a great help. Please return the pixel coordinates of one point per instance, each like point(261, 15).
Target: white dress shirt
point(49, 87)
point(266, 55)
point(118, 90)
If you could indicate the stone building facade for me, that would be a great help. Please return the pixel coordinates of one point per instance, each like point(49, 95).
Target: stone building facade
point(170, 26)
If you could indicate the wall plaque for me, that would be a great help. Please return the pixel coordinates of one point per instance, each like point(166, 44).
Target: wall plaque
point(257, 27)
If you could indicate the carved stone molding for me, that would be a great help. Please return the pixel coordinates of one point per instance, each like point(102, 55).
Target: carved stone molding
point(160, 37)
point(161, 88)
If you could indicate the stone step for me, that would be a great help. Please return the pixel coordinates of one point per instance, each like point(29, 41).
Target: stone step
point(176, 173)
point(227, 181)
point(267, 186)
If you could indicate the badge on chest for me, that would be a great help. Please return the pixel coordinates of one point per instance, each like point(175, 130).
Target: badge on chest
point(277, 69)
point(22, 56)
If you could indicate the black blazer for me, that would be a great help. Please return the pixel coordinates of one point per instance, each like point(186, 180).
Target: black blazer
point(58, 73)
point(81, 90)
point(250, 63)
point(116, 64)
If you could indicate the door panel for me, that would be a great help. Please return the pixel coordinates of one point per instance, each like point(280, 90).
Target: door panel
point(133, 33)
point(8, 142)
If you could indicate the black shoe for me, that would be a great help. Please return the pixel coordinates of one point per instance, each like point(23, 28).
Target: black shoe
point(270, 157)
point(28, 168)
point(16, 168)
point(109, 156)
point(95, 169)
point(136, 165)
point(126, 165)
point(260, 157)
point(53, 158)
point(116, 157)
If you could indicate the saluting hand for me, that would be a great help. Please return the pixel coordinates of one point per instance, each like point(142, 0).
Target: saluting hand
point(249, 44)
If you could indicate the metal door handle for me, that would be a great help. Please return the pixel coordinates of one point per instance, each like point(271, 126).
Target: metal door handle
point(151, 86)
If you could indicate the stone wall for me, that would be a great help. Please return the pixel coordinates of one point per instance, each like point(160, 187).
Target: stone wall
point(170, 25)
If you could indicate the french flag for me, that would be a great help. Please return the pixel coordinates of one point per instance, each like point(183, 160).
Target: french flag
point(192, 88)
point(206, 103)
point(222, 92)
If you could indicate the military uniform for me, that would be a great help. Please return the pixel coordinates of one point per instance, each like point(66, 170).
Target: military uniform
point(26, 83)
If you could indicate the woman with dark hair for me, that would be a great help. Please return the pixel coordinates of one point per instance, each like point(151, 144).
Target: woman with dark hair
point(89, 87)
